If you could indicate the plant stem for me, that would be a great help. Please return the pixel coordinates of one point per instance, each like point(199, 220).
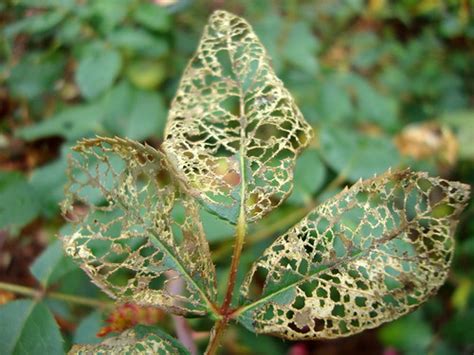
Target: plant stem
point(216, 336)
point(239, 243)
point(21, 290)
point(38, 294)
point(239, 240)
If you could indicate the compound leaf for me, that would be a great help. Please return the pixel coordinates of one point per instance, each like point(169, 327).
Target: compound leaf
point(233, 130)
point(367, 256)
point(135, 232)
point(139, 340)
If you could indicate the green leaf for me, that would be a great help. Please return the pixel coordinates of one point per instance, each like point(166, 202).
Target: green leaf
point(367, 256)
point(147, 116)
point(139, 42)
point(335, 102)
point(48, 183)
point(310, 174)
point(47, 3)
point(105, 15)
point(216, 229)
point(152, 16)
point(97, 72)
point(70, 31)
point(301, 48)
point(234, 131)
point(28, 327)
point(409, 333)
point(134, 113)
point(87, 329)
point(142, 232)
point(19, 204)
point(459, 329)
point(376, 108)
point(355, 155)
point(36, 23)
point(51, 265)
point(35, 74)
point(141, 339)
point(269, 29)
point(71, 123)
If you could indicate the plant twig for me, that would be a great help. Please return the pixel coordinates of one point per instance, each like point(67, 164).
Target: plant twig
point(216, 336)
point(38, 294)
point(239, 243)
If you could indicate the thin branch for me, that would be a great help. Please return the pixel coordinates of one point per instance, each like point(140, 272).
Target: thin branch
point(216, 335)
point(39, 294)
point(239, 243)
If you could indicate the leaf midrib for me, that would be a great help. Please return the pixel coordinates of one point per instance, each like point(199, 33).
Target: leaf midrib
point(385, 238)
point(23, 324)
point(210, 307)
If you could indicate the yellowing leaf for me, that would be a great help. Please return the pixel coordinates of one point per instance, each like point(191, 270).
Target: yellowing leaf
point(140, 340)
point(233, 130)
point(367, 256)
point(135, 232)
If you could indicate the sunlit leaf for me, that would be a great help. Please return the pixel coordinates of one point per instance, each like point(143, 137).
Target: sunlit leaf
point(233, 130)
point(143, 234)
point(367, 256)
point(140, 340)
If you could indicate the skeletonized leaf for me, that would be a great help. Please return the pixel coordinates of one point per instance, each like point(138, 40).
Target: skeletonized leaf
point(139, 340)
point(367, 256)
point(233, 130)
point(135, 231)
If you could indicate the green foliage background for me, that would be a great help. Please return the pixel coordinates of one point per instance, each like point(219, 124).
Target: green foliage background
point(360, 72)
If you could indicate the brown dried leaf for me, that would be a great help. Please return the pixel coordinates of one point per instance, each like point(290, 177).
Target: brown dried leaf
point(367, 256)
point(134, 230)
point(428, 140)
point(233, 130)
point(140, 340)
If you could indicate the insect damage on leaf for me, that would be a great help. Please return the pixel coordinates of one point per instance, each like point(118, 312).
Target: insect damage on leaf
point(367, 256)
point(233, 130)
point(135, 232)
point(140, 340)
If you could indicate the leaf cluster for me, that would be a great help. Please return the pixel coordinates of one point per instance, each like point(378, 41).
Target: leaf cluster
point(359, 72)
point(364, 257)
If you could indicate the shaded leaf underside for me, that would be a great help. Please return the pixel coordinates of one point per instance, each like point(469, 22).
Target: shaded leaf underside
point(367, 256)
point(135, 232)
point(140, 340)
point(233, 130)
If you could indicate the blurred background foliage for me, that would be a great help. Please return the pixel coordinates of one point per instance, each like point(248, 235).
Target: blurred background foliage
point(384, 84)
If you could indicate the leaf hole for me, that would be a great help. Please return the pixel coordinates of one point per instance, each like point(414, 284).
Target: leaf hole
point(303, 330)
